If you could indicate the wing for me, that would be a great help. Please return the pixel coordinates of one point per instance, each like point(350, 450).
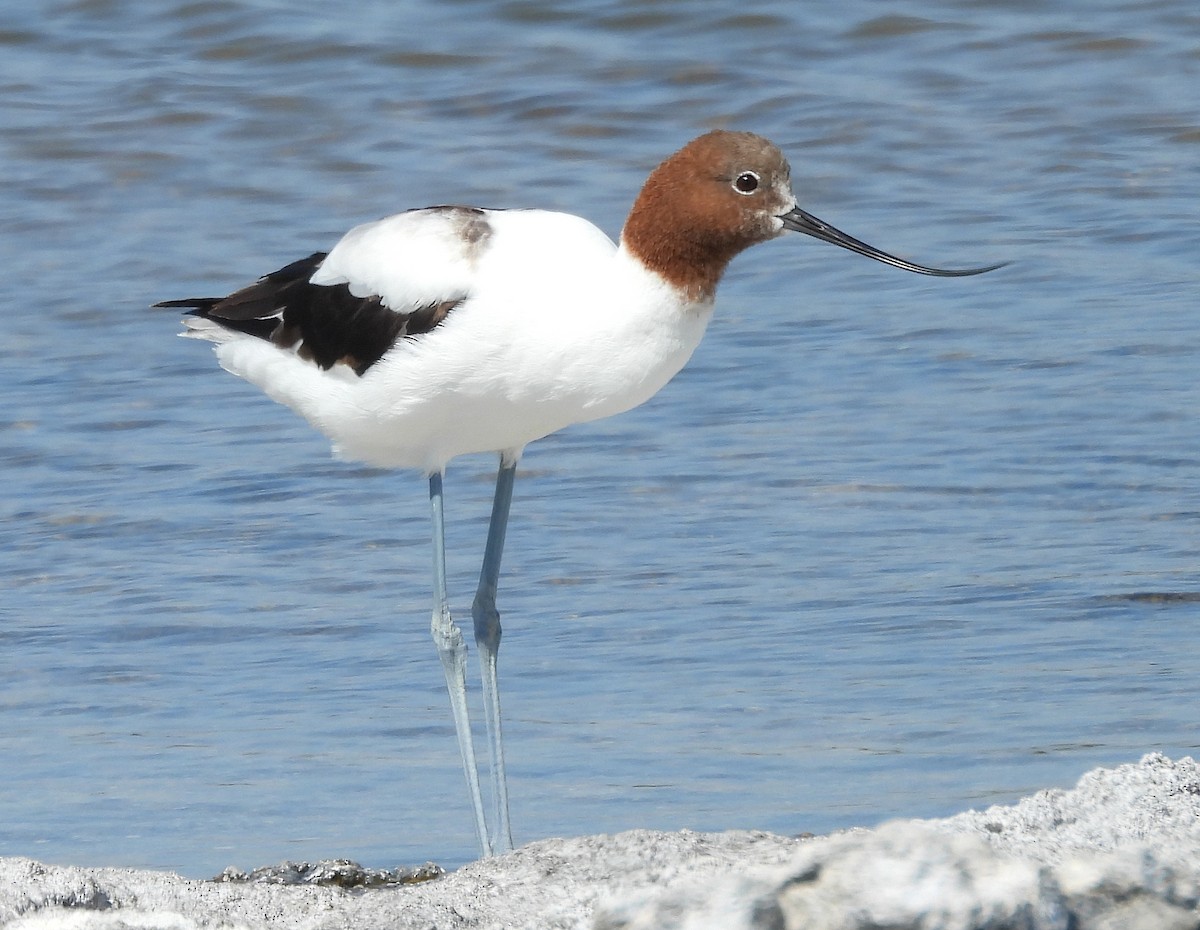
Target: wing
point(384, 281)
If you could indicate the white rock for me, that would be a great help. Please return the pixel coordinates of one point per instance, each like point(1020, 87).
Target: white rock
point(1120, 851)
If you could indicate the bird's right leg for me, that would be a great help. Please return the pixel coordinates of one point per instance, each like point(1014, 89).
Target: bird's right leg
point(452, 649)
point(487, 640)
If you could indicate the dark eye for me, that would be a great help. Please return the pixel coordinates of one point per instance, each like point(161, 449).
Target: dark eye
point(746, 182)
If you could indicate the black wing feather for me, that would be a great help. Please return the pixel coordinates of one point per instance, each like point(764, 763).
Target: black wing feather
point(324, 323)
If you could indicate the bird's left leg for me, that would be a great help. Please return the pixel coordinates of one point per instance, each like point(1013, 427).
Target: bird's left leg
point(487, 639)
point(453, 652)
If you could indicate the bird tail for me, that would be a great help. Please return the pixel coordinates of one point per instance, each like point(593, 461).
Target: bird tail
point(203, 327)
point(253, 311)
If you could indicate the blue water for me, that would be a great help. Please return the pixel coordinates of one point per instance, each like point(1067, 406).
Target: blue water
point(889, 546)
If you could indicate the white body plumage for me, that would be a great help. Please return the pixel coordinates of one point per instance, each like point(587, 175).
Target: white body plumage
point(556, 325)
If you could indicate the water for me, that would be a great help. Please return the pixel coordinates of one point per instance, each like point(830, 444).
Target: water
point(888, 546)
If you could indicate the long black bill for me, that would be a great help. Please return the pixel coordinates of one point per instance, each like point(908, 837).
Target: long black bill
point(804, 222)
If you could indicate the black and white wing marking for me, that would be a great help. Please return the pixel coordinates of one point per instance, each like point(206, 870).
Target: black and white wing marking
point(323, 323)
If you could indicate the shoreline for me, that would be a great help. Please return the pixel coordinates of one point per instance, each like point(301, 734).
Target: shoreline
point(1120, 849)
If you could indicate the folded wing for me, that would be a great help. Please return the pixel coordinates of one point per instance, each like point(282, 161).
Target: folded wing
point(384, 281)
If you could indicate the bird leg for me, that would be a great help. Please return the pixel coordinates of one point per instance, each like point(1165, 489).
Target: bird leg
point(452, 649)
point(487, 639)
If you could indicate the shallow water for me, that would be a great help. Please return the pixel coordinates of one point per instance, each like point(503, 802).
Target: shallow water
point(888, 546)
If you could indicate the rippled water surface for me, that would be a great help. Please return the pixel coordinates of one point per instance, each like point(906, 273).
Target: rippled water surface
point(889, 546)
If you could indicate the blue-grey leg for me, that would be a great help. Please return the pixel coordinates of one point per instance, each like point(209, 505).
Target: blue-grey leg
point(452, 649)
point(487, 639)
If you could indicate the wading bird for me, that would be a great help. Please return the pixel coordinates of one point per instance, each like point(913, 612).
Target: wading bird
point(447, 330)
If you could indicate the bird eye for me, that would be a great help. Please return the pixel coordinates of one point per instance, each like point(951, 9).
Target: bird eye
point(746, 182)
